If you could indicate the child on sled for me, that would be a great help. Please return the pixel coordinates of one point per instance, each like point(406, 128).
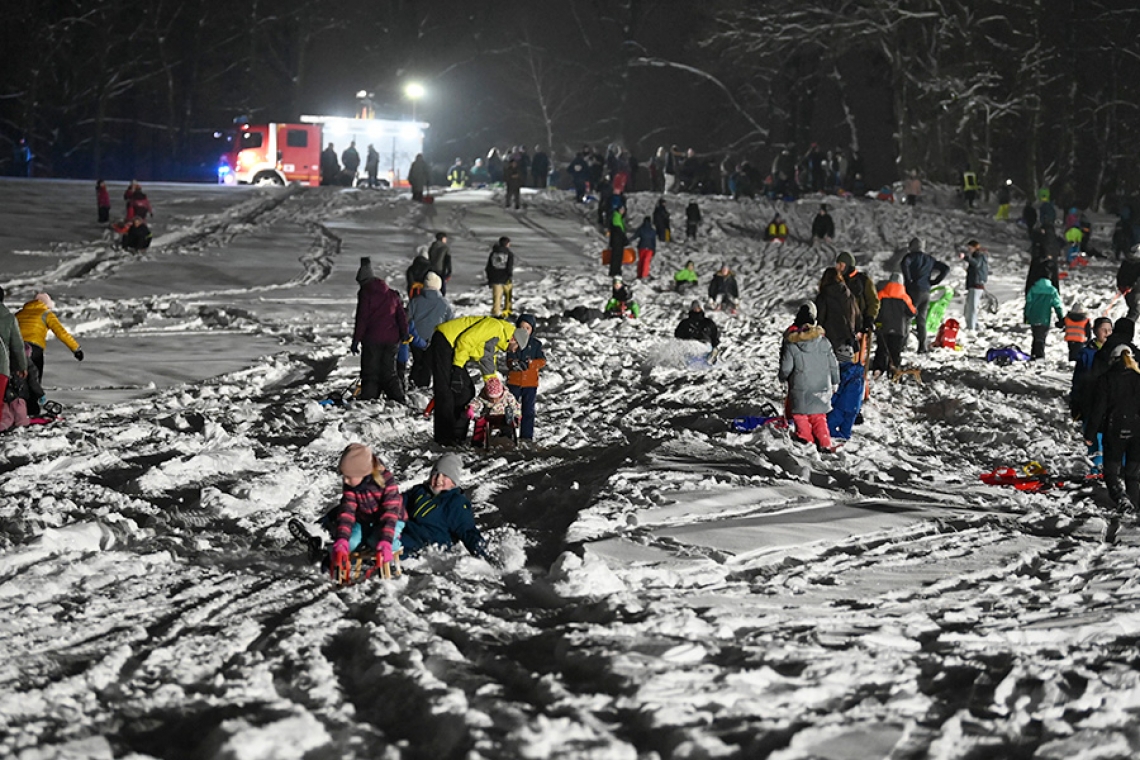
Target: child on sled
point(494, 409)
point(370, 515)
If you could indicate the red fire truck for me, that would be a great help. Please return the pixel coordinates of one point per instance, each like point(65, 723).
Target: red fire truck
point(274, 154)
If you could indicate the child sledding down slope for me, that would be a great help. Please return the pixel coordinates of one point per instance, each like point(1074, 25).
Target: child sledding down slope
point(370, 512)
point(808, 366)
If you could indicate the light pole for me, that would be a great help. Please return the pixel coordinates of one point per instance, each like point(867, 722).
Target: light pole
point(414, 91)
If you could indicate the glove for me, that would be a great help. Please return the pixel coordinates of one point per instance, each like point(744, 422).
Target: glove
point(79, 355)
point(383, 553)
point(420, 343)
point(354, 348)
point(470, 412)
point(339, 564)
point(1059, 324)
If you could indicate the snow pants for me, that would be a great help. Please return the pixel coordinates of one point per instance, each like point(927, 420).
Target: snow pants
point(421, 368)
point(1040, 332)
point(453, 389)
point(1122, 454)
point(644, 256)
point(973, 304)
point(812, 428)
point(526, 397)
point(921, 302)
point(378, 372)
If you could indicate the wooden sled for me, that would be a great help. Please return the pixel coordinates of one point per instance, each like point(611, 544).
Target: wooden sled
point(356, 563)
point(913, 372)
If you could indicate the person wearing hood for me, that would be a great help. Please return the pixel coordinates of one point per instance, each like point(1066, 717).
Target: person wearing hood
point(426, 311)
point(698, 326)
point(1115, 415)
point(380, 328)
point(685, 278)
point(822, 226)
point(866, 300)
point(439, 254)
point(440, 513)
point(13, 358)
point(523, 365)
point(500, 271)
point(36, 318)
point(808, 366)
point(661, 223)
point(1128, 281)
point(454, 344)
point(419, 176)
point(692, 220)
point(921, 272)
point(646, 247)
point(416, 273)
point(895, 312)
point(1042, 299)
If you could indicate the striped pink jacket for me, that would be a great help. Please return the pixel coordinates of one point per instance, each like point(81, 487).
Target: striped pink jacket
point(375, 507)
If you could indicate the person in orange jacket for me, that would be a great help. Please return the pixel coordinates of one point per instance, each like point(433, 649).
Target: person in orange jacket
point(895, 312)
point(523, 365)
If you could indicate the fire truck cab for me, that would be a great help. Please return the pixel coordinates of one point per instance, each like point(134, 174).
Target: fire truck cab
point(275, 154)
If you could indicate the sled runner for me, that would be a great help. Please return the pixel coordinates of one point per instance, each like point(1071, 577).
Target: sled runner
point(495, 430)
point(315, 550)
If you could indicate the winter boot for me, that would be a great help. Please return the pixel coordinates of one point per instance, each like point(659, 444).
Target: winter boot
point(314, 546)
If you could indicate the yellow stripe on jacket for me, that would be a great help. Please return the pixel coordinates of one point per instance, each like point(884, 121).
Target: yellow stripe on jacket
point(35, 320)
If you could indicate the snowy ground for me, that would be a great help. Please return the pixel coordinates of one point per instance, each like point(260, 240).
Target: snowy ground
point(661, 587)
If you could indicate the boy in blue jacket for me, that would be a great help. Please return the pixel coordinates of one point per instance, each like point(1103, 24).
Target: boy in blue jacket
point(848, 399)
point(440, 513)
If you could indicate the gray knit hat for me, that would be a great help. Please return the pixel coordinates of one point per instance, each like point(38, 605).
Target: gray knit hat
point(451, 466)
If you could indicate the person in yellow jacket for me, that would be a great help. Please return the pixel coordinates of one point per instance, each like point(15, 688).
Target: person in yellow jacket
point(35, 319)
point(455, 343)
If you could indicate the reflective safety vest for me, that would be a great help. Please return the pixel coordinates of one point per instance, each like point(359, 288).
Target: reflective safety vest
point(969, 181)
point(1076, 332)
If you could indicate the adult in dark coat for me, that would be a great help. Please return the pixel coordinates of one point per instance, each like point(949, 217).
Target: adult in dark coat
point(540, 167)
point(372, 166)
point(381, 326)
point(1043, 262)
point(350, 158)
point(579, 171)
point(697, 326)
point(1128, 281)
point(823, 226)
point(921, 271)
point(1115, 413)
point(513, 176)
point(330, 166)
point(419, 175)
point(661, 221)
point(439, 254)
point(416, 273)
point(835, 309)
point(723, 289)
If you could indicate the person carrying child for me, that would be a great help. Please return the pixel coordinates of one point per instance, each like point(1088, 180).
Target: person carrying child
point(847, 401)
point(808, 366)
point(439, 513)
point(685, 279)
point(523, 365)
point(1078, 330)
point(493, 406)
point(371, 510)
point(1041, 299)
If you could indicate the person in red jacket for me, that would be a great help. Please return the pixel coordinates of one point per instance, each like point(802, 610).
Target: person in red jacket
point(381, 327)
point(102, 201)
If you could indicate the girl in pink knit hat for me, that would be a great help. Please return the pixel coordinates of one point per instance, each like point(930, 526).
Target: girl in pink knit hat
point(369, 516)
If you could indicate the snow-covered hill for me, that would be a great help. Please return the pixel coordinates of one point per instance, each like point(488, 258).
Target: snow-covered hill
point(661, 587)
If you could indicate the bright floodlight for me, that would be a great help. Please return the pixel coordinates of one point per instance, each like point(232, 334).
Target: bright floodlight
point(414, 91)
point(362, 94)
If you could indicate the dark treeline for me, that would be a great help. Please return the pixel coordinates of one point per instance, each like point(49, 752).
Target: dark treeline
point(1045, 92)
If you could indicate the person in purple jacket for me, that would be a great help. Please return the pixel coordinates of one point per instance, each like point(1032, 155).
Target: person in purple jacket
point(381, 327)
